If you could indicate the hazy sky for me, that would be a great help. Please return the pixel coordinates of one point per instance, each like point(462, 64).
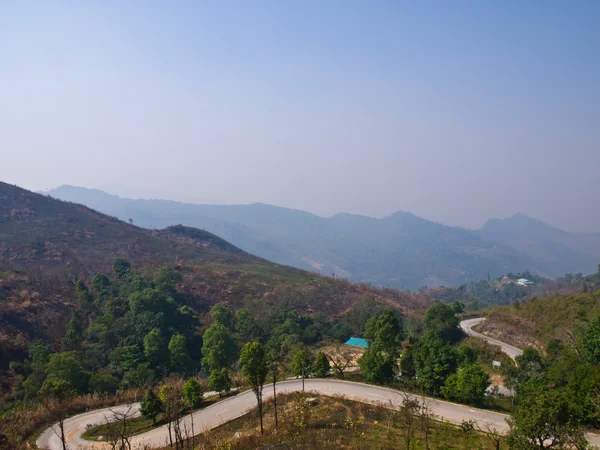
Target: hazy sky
point(454, 110)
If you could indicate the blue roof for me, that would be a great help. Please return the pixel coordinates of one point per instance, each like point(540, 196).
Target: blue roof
point(356, 342)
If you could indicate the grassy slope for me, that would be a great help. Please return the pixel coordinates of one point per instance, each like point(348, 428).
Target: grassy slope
point(317, 422)
point(537, 321)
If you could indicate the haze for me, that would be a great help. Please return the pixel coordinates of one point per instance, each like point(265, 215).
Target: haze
point(456, 111)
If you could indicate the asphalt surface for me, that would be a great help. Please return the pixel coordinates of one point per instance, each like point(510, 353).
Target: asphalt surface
point(234, 407)
point(241, 404)
point(467, 326)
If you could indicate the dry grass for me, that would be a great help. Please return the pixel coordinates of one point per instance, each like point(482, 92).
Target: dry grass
point(316, 422)
point(21, 425)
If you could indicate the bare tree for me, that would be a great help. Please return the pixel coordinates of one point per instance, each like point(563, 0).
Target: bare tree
point(122, 417)
point(56, 395)
point(170, 395)
point(409, 410)
point(341, 357)
point(491, 432)
point(112, 432)
point(426, 416)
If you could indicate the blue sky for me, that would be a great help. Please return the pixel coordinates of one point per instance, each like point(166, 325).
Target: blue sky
point(456, 111)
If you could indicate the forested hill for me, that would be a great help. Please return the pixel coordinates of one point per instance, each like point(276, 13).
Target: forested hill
point(47, 245)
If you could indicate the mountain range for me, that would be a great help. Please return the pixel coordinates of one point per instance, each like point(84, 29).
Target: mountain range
point(400, 250)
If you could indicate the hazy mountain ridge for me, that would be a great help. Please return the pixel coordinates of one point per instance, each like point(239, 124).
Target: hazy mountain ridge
point(400, 250)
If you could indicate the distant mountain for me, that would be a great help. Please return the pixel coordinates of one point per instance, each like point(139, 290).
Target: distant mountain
point(552, 252)
point(401, 250)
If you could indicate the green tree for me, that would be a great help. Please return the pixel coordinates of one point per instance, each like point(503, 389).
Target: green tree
point(434, 362)
point(591, 340)
point(138, 283)
point(377, 367)
point(253, 362)
point(83, 294)
point(166, 279)
point(100, 282)
point(192, 393)
point(458, 307)
point(103, 383)
point(74, 333)
point(441, 323)
point(468, 385)
point(148, 300)
point(178, 353)
point(545, 417)
point(155, 347)
point(151, 406)
point(67, 367)
point(219, 381)
point(139, 376)
point(245, 325)
point(121, 267)
point(218, 349)
point(530, 365)
point(385, 334)
point(321, 365)
point(223, 315)
point(302, 364)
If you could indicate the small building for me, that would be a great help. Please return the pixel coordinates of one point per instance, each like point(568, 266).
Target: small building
point(524, 282)
point(356, 342)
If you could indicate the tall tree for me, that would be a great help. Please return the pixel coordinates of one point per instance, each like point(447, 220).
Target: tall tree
point(253, 362)
point(223, 315)
point(74, 333)
point(121, 267)
point(178, 353)
point(155, 347)
point(302, 364)
point(441, 323)
point(384, 334)
point(219, 381)
point(321, 366)
point(434, 361)
point(218, 349)
point(192, 393)
point(151, 406)
point(545, 417)
point(468, 385)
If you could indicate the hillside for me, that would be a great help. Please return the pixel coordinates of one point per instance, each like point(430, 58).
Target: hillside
point(538, 321)
point(46, 245)
point(401, 250)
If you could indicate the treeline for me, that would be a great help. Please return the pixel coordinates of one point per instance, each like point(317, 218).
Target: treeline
point(130, 331)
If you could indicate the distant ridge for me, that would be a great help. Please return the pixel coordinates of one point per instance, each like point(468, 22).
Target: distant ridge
point(400, 250)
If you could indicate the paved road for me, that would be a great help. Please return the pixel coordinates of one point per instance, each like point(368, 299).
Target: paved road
point(234, 407)
point(466, 325)
point(240, 404)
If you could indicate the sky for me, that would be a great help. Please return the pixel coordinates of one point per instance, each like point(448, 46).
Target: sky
point(456, 111)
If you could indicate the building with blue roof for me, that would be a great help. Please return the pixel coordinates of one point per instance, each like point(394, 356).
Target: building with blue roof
point(356, 342)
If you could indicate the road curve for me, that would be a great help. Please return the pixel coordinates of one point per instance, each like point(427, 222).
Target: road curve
point(236, 406)
point(467, 326)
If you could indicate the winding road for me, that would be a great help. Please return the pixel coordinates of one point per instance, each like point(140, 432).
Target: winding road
point(467, 326)
point(236, 406)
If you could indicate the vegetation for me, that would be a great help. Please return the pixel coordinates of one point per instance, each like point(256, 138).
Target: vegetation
point(540, 321)
point(318, 422)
